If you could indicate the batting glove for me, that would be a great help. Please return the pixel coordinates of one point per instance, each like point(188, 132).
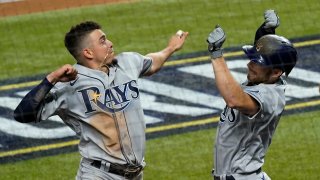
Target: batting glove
point(272, 20)
point(215, 41)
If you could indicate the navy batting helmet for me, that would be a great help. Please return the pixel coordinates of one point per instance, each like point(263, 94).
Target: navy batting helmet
point(273, 51)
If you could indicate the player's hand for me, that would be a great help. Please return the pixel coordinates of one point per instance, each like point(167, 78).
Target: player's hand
point(215, 41)
point(272, 19)
point(65, 73)
point(176, 42)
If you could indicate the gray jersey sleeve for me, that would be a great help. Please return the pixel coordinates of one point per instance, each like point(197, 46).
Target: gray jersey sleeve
point(269, 99)
point(55, 101)
point(135, 63)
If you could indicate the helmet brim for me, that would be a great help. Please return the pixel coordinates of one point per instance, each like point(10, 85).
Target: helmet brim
point(254, 55)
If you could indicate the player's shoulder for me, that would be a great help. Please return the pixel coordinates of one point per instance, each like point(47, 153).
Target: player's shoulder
point(85, 75)
point(129, 59)
point(263, 91)
point(128, 55)
point(61, 88)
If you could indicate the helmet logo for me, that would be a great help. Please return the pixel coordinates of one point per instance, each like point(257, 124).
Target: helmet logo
point(258, 47)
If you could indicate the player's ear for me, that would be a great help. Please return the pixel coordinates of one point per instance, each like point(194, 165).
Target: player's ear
point(276, 73)
point(87, 53)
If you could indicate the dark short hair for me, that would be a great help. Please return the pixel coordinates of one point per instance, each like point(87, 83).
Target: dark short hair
point(77, 33)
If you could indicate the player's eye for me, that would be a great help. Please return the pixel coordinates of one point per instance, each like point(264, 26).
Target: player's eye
point(103, 41)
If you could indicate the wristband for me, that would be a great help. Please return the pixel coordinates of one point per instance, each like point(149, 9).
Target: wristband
point(217, 53)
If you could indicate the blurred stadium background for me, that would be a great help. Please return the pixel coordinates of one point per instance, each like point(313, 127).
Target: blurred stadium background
point(181, 102)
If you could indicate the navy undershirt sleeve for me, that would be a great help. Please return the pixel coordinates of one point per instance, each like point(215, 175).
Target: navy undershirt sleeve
point(262, 31)
point(28, 109)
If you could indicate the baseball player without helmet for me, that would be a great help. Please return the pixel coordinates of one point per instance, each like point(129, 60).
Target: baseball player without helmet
point(273, 51)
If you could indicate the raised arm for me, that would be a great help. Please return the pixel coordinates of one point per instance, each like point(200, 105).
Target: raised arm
point(28, 109)
point(271, 22)
point(230, 90)
point(159, 58)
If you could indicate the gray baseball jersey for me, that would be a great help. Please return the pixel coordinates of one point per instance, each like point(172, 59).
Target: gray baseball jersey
point(105, 110)
point(242, 141)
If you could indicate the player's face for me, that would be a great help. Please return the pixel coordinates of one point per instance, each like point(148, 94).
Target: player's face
point(101, 47)
point(258, 74)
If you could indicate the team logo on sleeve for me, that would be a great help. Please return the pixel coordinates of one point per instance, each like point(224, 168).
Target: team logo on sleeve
point(111, 100)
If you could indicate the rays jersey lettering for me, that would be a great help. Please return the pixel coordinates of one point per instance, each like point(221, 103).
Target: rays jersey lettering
point(227, 114)
point(115, 99)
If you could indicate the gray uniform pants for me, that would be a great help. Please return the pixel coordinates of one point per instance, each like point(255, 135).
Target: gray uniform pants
point(88, 172)
point(254, 176)
point(261, 176)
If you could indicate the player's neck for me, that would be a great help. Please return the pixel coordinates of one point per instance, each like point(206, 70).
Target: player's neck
point(104, 68)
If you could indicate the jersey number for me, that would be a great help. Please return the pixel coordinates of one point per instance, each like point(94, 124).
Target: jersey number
point(227, 114)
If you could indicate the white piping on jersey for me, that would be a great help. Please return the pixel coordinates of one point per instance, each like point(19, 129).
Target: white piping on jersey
point(119, 133)
point(95, 79)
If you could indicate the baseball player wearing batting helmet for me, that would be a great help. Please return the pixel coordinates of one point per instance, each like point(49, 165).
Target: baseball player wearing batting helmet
point(253, 109)
point(98, 97)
